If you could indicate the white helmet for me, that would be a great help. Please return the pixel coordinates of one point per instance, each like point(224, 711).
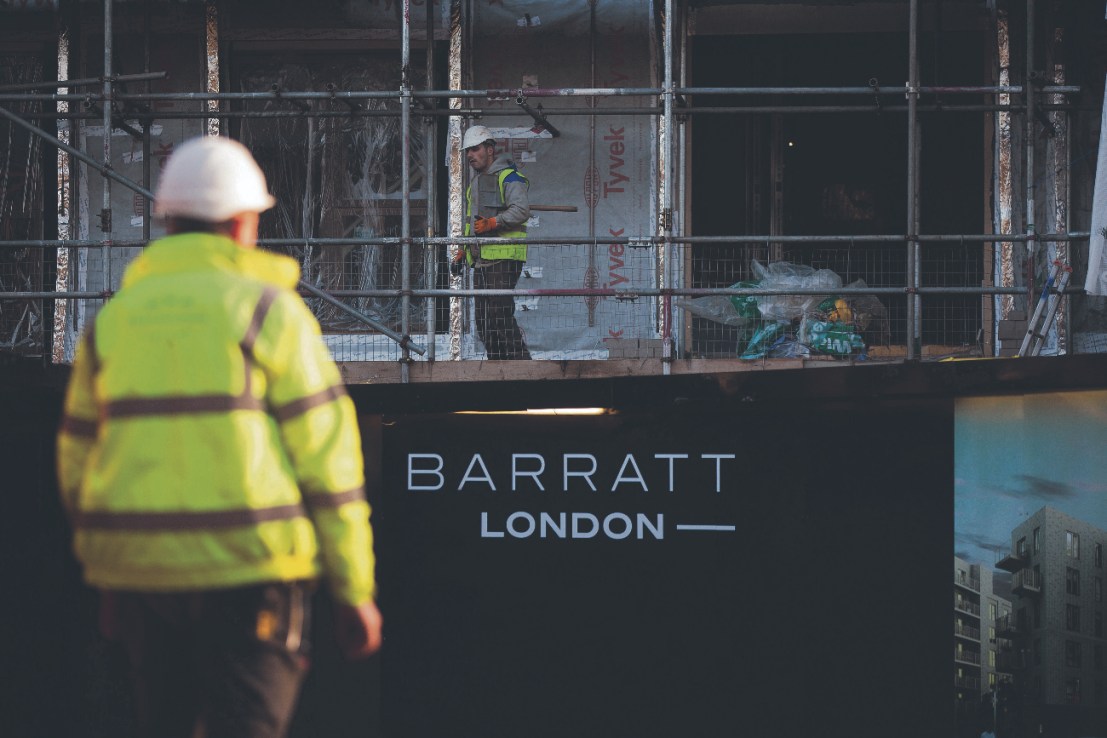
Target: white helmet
point(211, 179)
point(475, 136)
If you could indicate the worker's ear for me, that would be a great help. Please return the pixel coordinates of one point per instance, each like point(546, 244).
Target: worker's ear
point(244, 229)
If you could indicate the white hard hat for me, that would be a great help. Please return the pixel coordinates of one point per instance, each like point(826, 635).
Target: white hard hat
point(475, 136)
point(211, 179)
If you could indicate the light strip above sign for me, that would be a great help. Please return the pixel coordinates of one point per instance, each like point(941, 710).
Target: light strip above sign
point(544, 411)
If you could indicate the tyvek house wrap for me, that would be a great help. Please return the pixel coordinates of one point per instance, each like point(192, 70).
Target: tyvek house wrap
point(604, 164)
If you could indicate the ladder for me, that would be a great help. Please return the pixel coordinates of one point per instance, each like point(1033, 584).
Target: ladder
point(1045, 310)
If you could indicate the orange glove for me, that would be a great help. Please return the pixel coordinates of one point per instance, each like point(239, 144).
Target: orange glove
point(485, 225)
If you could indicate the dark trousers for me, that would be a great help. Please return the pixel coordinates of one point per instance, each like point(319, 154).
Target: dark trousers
point(496, 324)
point(217, 664)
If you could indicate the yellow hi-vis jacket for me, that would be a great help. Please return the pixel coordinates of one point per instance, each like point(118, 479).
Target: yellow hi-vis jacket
point(504, 172)
point(207, 439)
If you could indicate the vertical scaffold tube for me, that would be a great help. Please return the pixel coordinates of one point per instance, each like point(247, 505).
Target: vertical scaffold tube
point(591, 274)
point(913, 280)
point(430, 159)
point(1064, 253)
point(105, 212)
point(63, 309)
point(1031, 228)
point(405, 196)
point(146, 175)
point(667, 200)
point(455, 74)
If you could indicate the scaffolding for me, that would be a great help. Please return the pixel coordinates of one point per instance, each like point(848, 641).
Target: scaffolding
point(380, 287)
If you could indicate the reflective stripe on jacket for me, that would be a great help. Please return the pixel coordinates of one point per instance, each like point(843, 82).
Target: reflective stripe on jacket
point(207, 439)
point(514, 251)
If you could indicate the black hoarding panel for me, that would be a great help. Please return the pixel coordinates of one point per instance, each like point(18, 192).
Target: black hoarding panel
point(773, 572)
point(813, 600)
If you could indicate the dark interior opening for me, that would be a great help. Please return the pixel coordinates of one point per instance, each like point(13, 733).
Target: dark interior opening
point(836, 173)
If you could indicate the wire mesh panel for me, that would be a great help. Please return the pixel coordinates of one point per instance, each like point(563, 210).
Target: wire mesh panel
point(952, 321)
point(337, 173)
point(717, 329)
point(877, 265)
point(608, 314)
point(829, 314)
point(138, 143)
point(879, 320)
point(21, 206)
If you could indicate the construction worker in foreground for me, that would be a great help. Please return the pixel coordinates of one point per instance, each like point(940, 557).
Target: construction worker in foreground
point(498, 206)
point(210, 463)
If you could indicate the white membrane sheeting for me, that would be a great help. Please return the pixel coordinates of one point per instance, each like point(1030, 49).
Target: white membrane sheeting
point(605, 165)
point(1097, 255)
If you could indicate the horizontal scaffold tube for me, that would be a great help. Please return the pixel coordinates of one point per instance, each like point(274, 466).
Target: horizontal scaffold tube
point(617, 294)
point(559, 112)
point(341, 95)
point(77, 153)
point(84, 82)
point(643, 241)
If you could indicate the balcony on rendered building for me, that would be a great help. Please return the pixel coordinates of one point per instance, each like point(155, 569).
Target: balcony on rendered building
point(1014, 561)
point(1008, 627)
point(1027, 582)
point(964, 630)
point(965, 605)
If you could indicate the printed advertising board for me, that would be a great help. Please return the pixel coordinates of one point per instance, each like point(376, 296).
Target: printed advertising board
point(777, 573)
point(1030, 527)
point(763, 553)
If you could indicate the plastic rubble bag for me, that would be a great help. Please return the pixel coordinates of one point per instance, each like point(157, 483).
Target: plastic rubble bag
point(783, 275)
point(869, 315)
point(855, 320)
point(746, 305)
point(717, 308)
point(860, 311)
point(831, 337)
point(736, 311)
point(772, 340)
point(835, 326)
point(837, 310)
point(762, 339)
point(788, 346)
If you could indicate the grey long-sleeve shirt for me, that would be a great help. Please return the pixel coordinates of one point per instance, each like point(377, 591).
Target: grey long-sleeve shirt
point(515, 211)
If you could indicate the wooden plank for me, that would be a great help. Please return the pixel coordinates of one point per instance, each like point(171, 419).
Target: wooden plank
point(441, 372)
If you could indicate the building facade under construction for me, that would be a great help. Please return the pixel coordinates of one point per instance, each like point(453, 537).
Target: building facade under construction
point(714, 185)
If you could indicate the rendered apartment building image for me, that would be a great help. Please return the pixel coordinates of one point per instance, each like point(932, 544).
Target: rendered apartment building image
point(982, 656)
point(1052, 647)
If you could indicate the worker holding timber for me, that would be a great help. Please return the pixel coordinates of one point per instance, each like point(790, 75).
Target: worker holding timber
point(497, 206)
point(210, 463)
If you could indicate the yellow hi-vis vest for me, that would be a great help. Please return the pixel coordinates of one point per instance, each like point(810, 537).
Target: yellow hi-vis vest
point(515, 251)
point(207, 439)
